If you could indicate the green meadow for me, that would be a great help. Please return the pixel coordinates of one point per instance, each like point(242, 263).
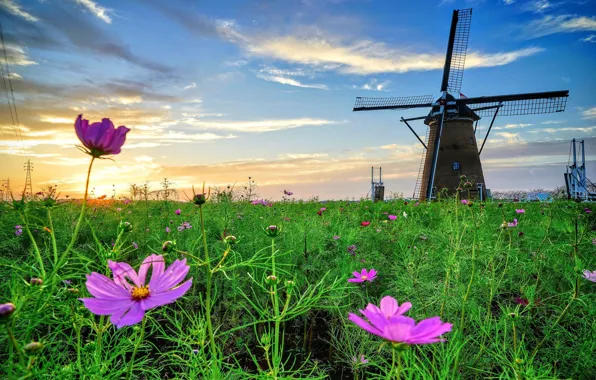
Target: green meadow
point(516, 296)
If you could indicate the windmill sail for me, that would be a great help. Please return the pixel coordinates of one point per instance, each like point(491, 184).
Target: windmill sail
point(518, 104)
point(455, 60)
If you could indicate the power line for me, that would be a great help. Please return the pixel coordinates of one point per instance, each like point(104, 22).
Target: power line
point(13, 108)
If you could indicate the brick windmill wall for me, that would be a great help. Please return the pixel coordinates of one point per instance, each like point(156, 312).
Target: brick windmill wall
point(458, 143)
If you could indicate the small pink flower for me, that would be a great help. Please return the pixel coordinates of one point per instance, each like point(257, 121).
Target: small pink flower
point(178, 212)
point(590, 276)
point(520, 211)
point(514, 224)
point(389, 323)
point(364, 275)
point(359, 360)
point(364, 224)
point(464, 201)
point(392, 217)
point(335, 237)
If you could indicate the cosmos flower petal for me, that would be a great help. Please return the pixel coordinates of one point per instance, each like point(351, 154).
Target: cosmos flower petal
point(397, 332)
point(100, 138)
point(170, 278)
point(389, 306)
point(106, 306)
point(378, 320)
point(404, 308)
point(101, 286)
point(160, 299)
point(132, 317)
point(122, 271)
point(364, 325)
point(155, 261)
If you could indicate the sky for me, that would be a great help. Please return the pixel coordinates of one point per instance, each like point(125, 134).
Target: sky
point(217, 91)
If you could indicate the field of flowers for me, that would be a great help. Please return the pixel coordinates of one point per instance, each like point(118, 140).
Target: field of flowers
point(217, 289)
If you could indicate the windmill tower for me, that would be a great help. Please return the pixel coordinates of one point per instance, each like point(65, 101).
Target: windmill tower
point(451, 149)
point(28, 191)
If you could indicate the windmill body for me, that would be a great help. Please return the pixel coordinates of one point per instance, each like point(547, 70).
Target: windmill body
point(451, 148)
point(458, 154)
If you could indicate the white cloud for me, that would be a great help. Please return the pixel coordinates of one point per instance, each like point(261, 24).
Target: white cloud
point(192, 85)
point(99, 11)
point(295, 156)
point(589, 113)
point(259, 125)
point(291, 82)
point(17, 56)
point(591, 38)
point(14, 75)
point(367, 57)
point(56, 120)
point(510, 138)
point(167, 107)
point(374, 85)
point(552, 122)
point(508, 2)
point(560, 24)
point(15, 9)
point(512, 126)
point(538, 6)
point(238, 63)
point(144, 159)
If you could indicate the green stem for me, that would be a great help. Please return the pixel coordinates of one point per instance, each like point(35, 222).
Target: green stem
point(53, 237)
point(99, 336)
point(35, 247)
point(134, 353)
point(208, 293)
point(78, 226)
point(15, 344)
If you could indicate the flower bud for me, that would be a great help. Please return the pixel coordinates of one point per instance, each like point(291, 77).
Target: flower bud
point(49, 202)
point(168, 246)
point(199, 199)
point(6, 310)
point(73, 291)
point(230, 240)
point(32, 348)
point(271, 280)
point(500, 205)
point(125, 227)
point(265, 339)
point(519, 361)
point(36, 281)
point(272, 231)
point(468, 185)
point(463, 177)
point(290, 286)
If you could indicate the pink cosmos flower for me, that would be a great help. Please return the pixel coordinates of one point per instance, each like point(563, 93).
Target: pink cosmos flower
point(100, 139)
point(388, 322)
point(464, 201)
point(364, 275)
point(590, 276)
point(514, 224)
point(364, 224)
point(335, 237)
point(392, 217)
point(359, 360)
point(178, 212)
point(520, 211)
point(128, 295)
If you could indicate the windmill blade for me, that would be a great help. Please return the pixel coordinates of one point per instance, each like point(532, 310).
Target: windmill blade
point(453, 71)
point(518, 104)
point(372, 104)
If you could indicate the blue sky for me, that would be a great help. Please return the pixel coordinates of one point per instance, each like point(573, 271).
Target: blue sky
point(217, 91)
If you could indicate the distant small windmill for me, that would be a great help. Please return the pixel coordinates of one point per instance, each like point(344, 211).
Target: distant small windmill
point(451, 149)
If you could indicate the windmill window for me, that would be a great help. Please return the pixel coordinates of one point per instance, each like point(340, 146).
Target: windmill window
point(471, 141)
point(455, 165)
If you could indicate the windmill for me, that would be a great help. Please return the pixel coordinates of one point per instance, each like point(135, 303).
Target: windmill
point(451, 149)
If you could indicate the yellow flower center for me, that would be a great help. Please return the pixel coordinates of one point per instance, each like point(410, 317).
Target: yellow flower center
point(364, 277)
point(140, 293)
